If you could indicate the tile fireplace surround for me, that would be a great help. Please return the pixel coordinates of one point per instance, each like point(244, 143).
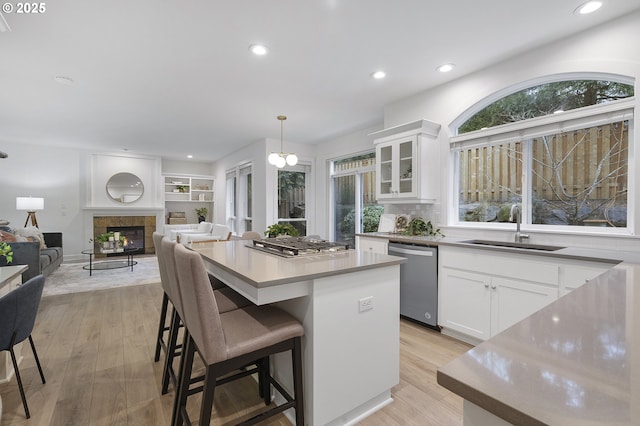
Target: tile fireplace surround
point(100, 224)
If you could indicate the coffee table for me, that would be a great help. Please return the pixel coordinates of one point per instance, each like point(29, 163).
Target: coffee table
point(111, 263)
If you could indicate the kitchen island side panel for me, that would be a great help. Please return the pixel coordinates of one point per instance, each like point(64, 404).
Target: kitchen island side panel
point(352, 357)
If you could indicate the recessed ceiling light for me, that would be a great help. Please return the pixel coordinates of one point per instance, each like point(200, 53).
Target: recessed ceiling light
point(378, 75)
point(588, 7)
point(189, 156)
point(258, 49)
point(445, 67)
point(61, 79)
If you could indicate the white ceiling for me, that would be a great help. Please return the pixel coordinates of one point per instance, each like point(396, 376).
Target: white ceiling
point(175, 77)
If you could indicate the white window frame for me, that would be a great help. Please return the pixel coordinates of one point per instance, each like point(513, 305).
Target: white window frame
point(236, 207)
point(244, 170)
point(307, 169)
point(231, 198)
point(527, 129)
point(359, 172)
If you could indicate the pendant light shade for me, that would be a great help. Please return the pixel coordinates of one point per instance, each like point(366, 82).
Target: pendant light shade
point(280, 159)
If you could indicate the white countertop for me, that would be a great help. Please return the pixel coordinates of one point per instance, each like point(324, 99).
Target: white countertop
point(262, 269)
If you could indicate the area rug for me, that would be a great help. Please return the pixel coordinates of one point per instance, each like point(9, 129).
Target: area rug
point(72, 278)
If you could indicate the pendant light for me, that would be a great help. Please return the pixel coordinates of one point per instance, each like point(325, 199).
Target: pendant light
point(281, 159)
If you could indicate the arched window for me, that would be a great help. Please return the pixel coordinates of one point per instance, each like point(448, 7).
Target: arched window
point(559, 149)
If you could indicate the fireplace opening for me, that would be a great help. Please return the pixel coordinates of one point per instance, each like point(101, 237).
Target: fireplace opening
point(134, 236)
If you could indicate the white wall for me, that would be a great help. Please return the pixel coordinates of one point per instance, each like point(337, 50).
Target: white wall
point(187, 167)
point(57, 175)
point(265, 188)
point(63, 177)
point(610, 49)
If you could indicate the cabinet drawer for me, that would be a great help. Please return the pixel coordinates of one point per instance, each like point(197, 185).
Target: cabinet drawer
point(529, 268)
point(374, 245)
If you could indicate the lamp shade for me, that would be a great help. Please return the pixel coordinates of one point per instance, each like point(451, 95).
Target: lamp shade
point(29, 204)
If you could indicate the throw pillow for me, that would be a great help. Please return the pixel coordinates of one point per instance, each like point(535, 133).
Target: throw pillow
point(32, 231)
point(7, 237)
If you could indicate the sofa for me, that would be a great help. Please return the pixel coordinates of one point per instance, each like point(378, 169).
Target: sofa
point(218, 233)
point(43, 260)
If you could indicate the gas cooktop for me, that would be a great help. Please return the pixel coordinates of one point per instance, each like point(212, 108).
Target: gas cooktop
point(298, 246)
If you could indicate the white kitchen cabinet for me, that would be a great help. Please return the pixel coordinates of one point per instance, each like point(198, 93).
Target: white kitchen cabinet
point(481, 293)
point(574, 273)
point(513, 301)
point(407, 163)
point(481, 306)
point(374, 245)
point(465, 302)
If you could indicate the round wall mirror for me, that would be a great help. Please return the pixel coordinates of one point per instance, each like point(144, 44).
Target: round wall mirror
point(125, 188)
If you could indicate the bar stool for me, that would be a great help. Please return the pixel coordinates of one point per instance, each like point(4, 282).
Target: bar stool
point(163, 328)
point(228, 300)
point(228, 341)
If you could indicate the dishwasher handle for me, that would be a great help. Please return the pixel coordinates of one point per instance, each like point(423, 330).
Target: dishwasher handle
point(409, 251)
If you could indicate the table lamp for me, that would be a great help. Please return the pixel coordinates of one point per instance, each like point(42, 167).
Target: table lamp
point(30, 204)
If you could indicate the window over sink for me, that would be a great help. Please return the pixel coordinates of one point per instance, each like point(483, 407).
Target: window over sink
point(561, 150)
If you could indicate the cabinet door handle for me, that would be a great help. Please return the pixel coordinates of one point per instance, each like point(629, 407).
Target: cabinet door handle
point(486, 286)
point(493, 286)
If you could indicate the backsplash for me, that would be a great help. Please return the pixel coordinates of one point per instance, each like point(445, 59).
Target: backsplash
point(426, 211)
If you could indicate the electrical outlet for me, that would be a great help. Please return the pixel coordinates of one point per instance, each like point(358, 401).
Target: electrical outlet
point(365, 304)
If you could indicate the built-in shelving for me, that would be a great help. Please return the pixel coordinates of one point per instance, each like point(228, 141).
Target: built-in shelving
point(188, 192)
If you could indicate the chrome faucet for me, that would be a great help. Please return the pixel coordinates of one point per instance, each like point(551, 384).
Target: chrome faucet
point(516, 213)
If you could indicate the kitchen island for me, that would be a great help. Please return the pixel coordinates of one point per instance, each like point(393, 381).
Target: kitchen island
point(348, 303)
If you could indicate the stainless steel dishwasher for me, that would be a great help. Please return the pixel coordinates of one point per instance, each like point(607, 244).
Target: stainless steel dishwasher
point(418, 282)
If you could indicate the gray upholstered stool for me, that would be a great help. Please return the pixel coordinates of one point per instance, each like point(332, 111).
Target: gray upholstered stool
point(227, 299)
point(228, 341)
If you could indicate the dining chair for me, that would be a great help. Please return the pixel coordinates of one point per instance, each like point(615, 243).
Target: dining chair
point(18, 310)
point(226, 342)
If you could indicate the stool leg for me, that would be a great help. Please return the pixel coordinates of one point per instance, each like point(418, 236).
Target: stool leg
point(161, 326)
point(296, 355)
point(265, 383)
point(208, 390)
point(184, 377)
point(168, 373)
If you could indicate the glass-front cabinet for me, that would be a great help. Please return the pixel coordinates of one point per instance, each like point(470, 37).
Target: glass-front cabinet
point(407, 163)
point(395, 168)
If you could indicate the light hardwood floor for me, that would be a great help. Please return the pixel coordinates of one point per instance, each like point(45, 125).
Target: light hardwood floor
point(97, 350)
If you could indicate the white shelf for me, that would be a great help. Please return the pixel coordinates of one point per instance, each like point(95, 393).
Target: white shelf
point(195, 187)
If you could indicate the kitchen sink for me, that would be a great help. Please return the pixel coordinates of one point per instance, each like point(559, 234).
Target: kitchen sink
point(526, 246)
